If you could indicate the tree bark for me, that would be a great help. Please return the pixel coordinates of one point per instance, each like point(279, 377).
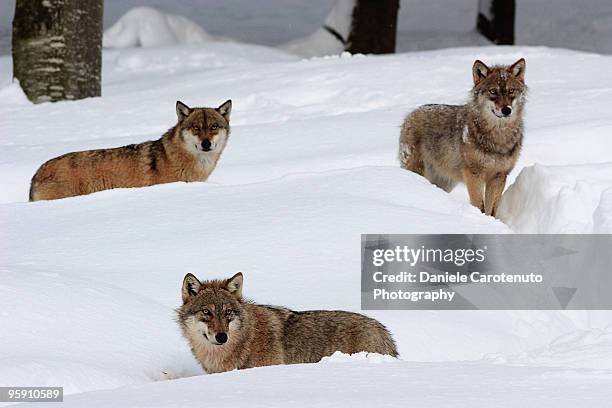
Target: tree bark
point(373, 27)
point(496, 20)
point(57, 48)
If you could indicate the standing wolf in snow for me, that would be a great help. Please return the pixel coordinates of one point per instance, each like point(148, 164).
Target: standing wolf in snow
point(227, 332)
point(187, 152)
point(477, 143)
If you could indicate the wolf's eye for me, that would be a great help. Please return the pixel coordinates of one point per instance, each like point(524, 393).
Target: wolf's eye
point(206, 312)
point(195, 128)
point(228, 313)
point(214, 127)
point(511, 91)
point(493, 92)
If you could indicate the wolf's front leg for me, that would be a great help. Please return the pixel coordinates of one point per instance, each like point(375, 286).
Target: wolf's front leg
point(494, 189)
point(475, 185)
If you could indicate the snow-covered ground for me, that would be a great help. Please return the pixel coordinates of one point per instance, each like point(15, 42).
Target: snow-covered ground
point(357, 383)
point(88, 284)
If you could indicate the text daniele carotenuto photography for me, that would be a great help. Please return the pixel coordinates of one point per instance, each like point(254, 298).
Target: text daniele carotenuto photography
point(468, 272)
point(203, 201)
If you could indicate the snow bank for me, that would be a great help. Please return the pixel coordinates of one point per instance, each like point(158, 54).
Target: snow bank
point(322, 42)
point(560, 199)
point(148, 27)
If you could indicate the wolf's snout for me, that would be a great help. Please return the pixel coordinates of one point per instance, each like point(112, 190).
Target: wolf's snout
point(506, 111)
point(206, 145)
point(221, 338)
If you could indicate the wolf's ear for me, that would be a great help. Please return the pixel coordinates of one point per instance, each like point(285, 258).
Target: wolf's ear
point(518, 69)
point(234, 285)
point(182, 110)
point(191, 285)
point(225, 109)
point(479, 71)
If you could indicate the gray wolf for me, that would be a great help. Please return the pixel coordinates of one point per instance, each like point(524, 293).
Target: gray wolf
point(477, 143)
point(227, 332)
point(189, 151)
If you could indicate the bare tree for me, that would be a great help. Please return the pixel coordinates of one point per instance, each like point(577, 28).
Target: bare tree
point(496, 20)
point(373, 27)
point(57, 48)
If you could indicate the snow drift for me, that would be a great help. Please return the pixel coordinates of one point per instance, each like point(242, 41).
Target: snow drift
point(148, 27)
point(324, 41)
point(560, 200)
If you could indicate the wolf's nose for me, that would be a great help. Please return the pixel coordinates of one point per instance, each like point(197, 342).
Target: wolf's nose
point(206, 145)
point(506, 110)
point(221, 337)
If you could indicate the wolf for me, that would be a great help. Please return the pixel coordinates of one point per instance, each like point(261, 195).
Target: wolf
point(477, 143)
point(189, 151)
point(227, 332)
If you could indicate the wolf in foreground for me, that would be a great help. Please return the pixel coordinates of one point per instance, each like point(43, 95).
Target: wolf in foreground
point(189, 151)
point(227, 332)
point(477, 143)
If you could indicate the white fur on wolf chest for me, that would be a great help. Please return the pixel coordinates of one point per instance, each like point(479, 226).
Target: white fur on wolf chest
point(207, 160)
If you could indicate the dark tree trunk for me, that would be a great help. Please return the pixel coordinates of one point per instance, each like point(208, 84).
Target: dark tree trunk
point(496, 20)
point(373, 27)
point(57, 48)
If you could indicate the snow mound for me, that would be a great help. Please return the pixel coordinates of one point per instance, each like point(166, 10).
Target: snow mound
point(148, 27)
point(560, 200)
point(339, 357)
point(322, 42)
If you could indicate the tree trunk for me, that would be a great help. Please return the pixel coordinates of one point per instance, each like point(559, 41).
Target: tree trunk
point(373, 27)
point(57, 48)
point(496, 20)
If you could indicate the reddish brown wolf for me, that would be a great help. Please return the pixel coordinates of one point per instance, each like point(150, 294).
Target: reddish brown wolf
point(227, 332)
point(477, 143)
point(187, 152)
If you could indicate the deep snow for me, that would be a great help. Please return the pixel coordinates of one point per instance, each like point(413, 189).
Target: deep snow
point(89, 283)
point(357, 383)
point(560, 200)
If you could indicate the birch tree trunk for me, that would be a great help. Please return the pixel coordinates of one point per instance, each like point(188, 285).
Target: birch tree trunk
point(57, 48)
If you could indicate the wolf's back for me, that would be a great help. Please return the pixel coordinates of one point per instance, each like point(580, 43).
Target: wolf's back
point(312, 335)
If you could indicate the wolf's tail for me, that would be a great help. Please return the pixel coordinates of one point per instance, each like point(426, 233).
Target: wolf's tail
point(404, 155)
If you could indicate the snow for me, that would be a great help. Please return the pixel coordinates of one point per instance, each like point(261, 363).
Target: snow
point(321, 42)
point(579, 349)
point(359, 384)
point(422, 24)
point(148, 27)
point(89, 283)
point(560, 200)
